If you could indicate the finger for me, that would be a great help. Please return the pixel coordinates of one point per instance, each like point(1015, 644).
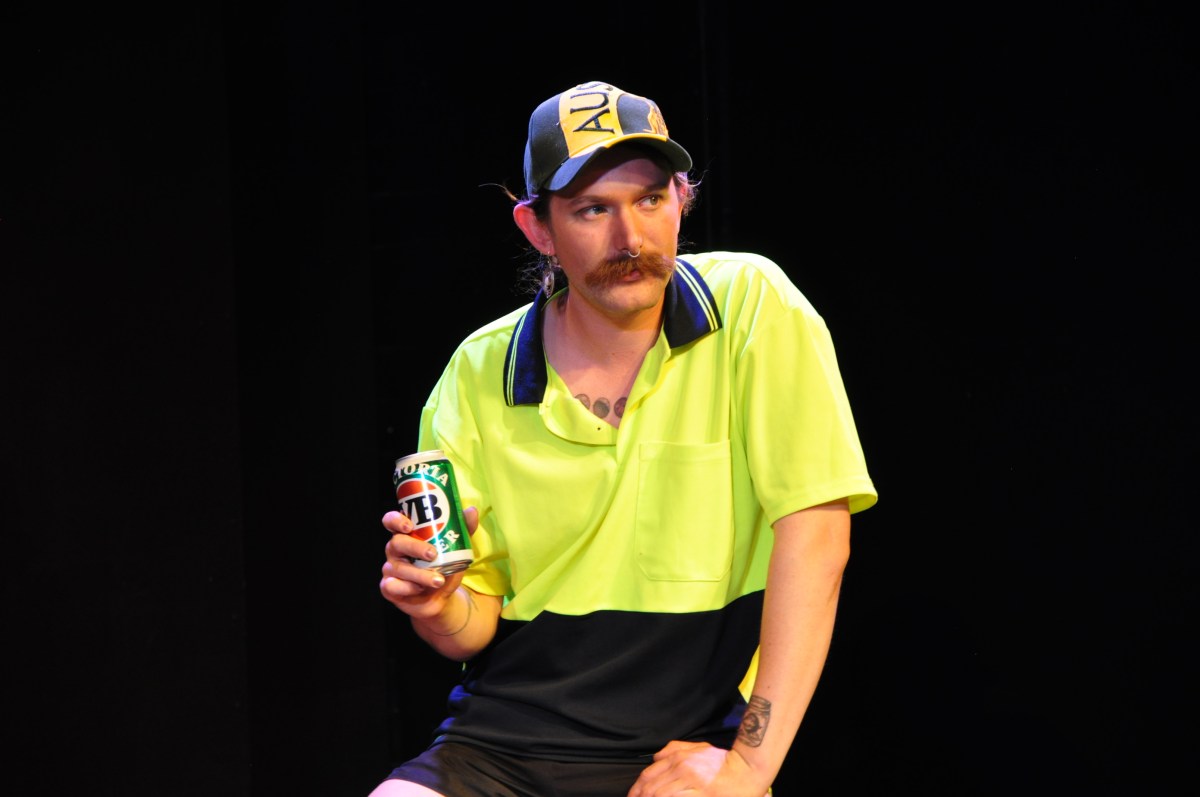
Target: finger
point(397, 522)
point(676, 746)
point(406, 571)
point(650, 779)
point(423, 580)
point(662, 784)
point(409, 597)
point(395, 589)
point(404, 548)
point(471, 516)
point(406, 581)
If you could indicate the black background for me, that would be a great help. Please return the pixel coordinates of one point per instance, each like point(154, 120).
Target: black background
point(238, 241)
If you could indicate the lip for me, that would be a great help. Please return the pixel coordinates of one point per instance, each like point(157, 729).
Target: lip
point(632, 276)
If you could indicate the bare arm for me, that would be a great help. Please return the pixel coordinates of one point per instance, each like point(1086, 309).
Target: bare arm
point(455, 620)
point(811, 550)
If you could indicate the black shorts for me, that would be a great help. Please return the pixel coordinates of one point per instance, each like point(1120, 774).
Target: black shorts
point(462, 770)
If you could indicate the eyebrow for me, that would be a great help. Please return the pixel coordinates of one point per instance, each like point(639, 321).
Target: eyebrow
point(598, 199)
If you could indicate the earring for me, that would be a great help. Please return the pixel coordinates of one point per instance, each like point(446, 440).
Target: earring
point(548, 275)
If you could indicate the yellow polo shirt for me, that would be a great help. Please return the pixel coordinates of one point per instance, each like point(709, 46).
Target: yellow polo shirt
point(609, 544)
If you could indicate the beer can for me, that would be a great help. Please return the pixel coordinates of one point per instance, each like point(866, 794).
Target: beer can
point(428, 494)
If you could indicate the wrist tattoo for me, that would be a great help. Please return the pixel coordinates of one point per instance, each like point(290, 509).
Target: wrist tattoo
point(755, 721)
point(467, 619)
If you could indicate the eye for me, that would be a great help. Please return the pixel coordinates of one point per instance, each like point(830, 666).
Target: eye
point(592, 211)
point(652, 201)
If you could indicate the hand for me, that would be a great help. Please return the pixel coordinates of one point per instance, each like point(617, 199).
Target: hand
point(418, 592)
point(697, 769)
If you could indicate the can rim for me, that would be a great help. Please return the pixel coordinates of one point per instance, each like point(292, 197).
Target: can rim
point(421, 456)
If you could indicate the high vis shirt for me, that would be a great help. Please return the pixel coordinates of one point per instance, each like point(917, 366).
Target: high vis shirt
point(632, 559)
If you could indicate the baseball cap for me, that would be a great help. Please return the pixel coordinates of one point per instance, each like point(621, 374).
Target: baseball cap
point(569, 129)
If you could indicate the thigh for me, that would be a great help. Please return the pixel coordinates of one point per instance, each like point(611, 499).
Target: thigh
point(588, 779)
point(450, 769)
point(403, 788)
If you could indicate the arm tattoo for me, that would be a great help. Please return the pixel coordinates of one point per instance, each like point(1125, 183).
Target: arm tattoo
point(755, 721)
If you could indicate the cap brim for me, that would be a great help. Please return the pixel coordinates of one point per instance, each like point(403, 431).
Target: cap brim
point(677, 157)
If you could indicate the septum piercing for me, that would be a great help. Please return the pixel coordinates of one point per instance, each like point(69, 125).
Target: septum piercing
point(633, 255)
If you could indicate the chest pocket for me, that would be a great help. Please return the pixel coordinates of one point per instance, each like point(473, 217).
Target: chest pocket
point(684, 524)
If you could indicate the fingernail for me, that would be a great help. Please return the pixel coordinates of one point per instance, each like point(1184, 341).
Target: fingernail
point(431, 554)
point(438, 581)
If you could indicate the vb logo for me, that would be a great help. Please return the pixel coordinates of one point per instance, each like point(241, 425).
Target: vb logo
point(425, 504)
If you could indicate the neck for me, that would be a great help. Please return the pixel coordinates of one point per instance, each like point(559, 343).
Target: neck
point(596, 357)
point(576, 333)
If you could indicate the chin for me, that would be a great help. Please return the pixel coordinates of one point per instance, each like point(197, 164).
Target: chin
point(635, 295)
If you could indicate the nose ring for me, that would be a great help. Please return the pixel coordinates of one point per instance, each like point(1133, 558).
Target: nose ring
point(633, 255)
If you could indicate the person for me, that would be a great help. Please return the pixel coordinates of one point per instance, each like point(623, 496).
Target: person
point(659, 464)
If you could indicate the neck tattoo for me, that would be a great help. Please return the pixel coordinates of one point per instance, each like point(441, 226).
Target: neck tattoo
point(602, 407)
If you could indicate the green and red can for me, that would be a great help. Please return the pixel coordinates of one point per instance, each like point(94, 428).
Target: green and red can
point(428, 494)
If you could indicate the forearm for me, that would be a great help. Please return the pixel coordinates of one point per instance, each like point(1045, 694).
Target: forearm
point(464, 627)
point(800, 606)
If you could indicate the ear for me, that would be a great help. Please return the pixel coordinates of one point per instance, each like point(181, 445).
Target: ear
point(535, 232)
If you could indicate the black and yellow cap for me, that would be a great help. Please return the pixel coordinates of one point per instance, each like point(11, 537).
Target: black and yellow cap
point(569, 129)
